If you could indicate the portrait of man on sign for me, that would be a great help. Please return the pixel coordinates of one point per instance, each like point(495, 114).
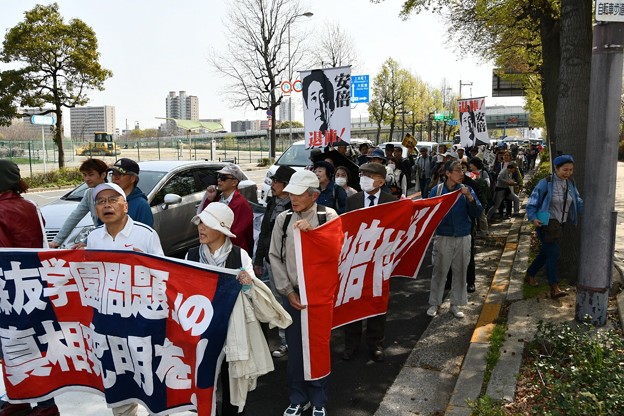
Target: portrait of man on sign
point(326, 106)
point(467, 128)
point(473, 125)
point(318, 98)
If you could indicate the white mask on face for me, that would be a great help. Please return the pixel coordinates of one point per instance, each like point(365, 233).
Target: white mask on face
point(341, 181)
point(392, 166)
point(367, 184)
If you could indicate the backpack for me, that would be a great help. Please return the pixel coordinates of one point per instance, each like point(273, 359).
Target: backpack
point(321, 214)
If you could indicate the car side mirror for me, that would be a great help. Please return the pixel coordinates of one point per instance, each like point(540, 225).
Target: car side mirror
point(171, 199)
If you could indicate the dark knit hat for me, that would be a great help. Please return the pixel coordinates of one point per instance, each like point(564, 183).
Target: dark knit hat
point(9, 175)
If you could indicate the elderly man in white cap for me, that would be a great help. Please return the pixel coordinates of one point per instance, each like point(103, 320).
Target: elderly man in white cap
point(120, 232)
point(305, 215)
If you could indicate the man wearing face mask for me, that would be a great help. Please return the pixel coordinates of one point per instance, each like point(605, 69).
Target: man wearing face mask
point(372, 178)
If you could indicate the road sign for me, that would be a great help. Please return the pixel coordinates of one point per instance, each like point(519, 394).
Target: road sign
point(609, 11)
point(269, 113)
point(360, 89)
point(42, 120)
point(296, 85)
point(442, 116)
point(286, 87)
point(452, 122)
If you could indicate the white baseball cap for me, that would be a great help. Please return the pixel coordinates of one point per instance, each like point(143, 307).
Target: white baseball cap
point(217, 216)
point(108, 185)
point(300, 182)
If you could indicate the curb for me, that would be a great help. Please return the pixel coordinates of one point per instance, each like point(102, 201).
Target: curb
point(470, 380)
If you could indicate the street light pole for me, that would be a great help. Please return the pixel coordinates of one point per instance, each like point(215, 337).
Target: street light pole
point(306, 14)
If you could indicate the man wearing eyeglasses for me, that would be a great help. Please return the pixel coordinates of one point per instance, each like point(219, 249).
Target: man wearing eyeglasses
point(227, 193)
point(125, 173)
point(120, 232)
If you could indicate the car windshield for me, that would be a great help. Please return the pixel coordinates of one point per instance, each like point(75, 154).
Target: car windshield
point(295, 155)
point(77, 193)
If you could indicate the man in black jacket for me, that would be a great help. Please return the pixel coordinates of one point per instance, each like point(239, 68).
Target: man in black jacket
point(372, 178)
point(279, 202)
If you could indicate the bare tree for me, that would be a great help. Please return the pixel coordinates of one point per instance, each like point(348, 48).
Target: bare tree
point(257, 53)
point(334, 48)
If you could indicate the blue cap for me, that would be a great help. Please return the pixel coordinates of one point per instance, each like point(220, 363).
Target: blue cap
point(377, 153)
point(563, 159)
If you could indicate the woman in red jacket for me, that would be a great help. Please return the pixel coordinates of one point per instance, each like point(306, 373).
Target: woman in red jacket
point(19, 220)
point(20, 227)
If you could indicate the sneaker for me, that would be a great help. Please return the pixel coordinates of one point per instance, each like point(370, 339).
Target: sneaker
point(456, 312)
point(281, 351)
point(10, 409)
point(319, 411)
point(296, 409)
point(45, 411)
point(432, 311)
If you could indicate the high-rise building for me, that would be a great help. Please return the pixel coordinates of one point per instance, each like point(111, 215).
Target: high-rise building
point(284, 109)
point(84, 121)
point(182, 107)
point(244, 125)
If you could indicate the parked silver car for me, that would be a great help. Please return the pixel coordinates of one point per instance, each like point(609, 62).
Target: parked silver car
point(174, 190)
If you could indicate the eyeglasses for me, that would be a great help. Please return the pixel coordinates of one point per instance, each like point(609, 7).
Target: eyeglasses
point(223, 177)
point(278, 181)
point(117, 174)
point(109, 200)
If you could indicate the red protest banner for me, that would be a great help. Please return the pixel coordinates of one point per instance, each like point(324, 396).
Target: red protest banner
point(379, 242)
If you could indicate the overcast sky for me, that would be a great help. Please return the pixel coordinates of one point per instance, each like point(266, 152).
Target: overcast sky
point(157, 46)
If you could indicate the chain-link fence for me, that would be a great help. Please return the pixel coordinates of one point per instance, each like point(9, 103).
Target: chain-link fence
point(33, 158)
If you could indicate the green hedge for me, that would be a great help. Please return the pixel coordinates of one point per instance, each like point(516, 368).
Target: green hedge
point(55, 178)
point(542, 171)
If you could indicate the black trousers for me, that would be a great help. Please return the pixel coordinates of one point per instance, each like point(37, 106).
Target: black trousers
point(227, 409)
point(375, 330)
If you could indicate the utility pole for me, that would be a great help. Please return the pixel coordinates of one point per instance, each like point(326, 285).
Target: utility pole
point(599, 219)
point(461, 84)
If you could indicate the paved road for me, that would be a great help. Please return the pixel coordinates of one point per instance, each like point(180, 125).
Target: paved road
point(358, 386)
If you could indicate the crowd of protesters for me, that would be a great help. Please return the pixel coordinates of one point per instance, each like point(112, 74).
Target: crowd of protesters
point(488, 180)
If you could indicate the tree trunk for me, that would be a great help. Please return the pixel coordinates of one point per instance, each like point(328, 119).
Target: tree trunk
point(58, 137)
point(572, 110)
point(378, 133)
point(551, 57)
